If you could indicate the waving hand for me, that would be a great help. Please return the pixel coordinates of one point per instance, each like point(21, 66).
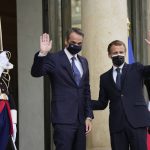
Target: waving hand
point(148, 38)
point(45, 43)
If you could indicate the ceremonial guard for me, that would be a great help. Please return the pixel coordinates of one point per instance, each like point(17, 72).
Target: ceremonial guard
point(8, 113)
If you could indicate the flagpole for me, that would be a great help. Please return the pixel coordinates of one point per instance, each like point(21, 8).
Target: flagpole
point(1, 41)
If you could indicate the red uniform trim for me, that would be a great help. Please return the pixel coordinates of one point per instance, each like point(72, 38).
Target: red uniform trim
point(6, 103)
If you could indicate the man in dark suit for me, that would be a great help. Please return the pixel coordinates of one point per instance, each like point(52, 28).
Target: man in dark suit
point(71, 111)
point(122, 88)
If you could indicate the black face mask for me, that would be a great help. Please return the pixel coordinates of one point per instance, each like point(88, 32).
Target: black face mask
point(74, 49)
point(118, 60)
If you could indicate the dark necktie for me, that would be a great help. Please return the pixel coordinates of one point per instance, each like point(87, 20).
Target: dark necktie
point(118, 78)
point(76, 73)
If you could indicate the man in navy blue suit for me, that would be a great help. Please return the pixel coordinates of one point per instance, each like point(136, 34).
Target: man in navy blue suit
point(71, 111)
point(122, 88)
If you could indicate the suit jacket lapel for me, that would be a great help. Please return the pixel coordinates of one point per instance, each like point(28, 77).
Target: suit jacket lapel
point(84, 66)
point(66, 64)
point(123, 77)
point(112, 79)
point(125, 71)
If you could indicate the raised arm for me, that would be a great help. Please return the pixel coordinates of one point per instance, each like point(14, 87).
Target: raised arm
point(42, 61)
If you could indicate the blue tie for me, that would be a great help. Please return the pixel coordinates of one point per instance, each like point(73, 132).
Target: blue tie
point(118, 78)
point(76, 73)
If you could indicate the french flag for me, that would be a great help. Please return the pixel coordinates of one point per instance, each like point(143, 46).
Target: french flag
point(130, 52)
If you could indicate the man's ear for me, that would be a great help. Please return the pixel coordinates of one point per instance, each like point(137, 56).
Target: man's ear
point(125, 54)
point(66, 43)
point(109, 55)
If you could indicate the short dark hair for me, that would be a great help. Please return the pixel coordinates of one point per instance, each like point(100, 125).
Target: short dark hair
point(116, 43)
point(76, 30)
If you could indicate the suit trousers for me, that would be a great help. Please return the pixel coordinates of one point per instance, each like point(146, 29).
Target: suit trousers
point(4, 129)
point(69, 136)
point(129, 138)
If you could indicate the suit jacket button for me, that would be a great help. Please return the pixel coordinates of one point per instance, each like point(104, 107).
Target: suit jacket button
point(122, 95)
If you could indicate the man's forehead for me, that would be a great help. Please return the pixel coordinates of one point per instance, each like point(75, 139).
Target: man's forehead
point(117, 47)
point(75, 39)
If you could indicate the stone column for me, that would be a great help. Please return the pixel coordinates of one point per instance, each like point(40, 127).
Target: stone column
point(31, 96)
point(102, 22)
point(148, 26)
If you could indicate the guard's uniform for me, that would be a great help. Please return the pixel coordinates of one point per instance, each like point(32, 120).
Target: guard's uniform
point(6, 104)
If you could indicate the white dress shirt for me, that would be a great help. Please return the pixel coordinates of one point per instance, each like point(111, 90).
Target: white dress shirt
point(69, 56)
point(115, 72)
point(77, 61)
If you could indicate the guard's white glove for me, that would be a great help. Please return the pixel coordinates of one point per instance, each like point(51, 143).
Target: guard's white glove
point(149, 106)
point(4, 62)
point(14, 121)
point(14, 132)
